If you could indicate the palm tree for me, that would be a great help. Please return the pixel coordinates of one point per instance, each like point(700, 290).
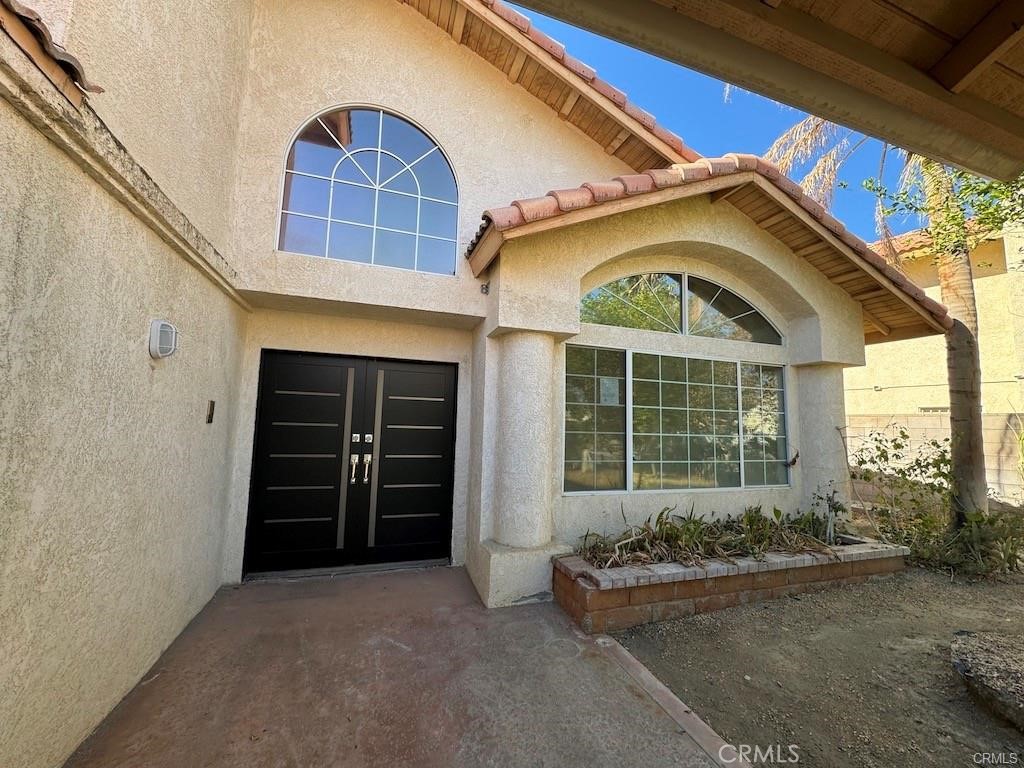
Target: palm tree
point(940, 201)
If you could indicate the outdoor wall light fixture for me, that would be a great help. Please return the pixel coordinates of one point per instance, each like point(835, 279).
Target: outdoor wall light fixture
point(163, 339)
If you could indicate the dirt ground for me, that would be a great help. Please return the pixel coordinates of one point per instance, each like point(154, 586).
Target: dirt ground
point(857, 676)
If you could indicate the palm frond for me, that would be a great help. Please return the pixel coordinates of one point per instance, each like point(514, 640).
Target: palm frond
point(820, 182)
point(885, 234)
point(801, 142)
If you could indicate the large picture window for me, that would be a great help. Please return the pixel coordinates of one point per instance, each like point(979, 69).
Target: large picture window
point(676, 303)
point(365, 185)
point(641, 421)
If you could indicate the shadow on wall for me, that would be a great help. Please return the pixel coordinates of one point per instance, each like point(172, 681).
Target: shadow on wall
point(1003, 448)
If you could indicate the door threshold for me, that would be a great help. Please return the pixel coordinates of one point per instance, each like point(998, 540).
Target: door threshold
point(344, 570)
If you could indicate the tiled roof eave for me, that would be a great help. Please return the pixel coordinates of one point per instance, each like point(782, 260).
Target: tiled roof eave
point(56, 52)
point(651, 187)
point(551, 54)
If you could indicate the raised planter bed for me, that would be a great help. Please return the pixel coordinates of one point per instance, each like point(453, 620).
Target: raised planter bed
point(609, 599)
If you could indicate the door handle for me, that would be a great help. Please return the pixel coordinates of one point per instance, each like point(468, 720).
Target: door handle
point(353, 460)
point(367, 458)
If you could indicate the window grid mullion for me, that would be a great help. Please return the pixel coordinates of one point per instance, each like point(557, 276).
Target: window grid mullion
point(629, 420)
point(739, 414)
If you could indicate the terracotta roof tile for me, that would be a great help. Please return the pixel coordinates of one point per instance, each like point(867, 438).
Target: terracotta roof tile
point(578, 67)
point(694, 171)
point(646, 119)
point(35, 24)
point(665, 177)
point(817, 210)
point(636, 183)
point(535, 208)
point(606, 190)
point(719, 165)
point(746, 162)
point(503, 218)
point(571, 199)
point(558, 202)
point(511, 15)
point(791, 188)
point(547, 42)
point(607, 89)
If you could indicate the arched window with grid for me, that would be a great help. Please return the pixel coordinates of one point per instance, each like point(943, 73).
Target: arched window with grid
point(365, 185)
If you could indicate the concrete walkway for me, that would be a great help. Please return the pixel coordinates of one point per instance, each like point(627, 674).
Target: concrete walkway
point(404, 668)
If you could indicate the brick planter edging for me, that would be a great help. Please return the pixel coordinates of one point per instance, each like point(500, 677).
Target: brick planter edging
point(609, 599)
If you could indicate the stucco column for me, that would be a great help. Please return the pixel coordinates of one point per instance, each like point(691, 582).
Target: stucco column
point(821, 411)
point(525, 439)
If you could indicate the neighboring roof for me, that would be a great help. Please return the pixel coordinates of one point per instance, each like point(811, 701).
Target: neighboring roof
point(30, 33)
point(918, 239)
point(894, 307)
point(528, 57)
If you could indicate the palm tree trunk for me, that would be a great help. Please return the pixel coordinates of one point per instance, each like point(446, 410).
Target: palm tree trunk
point(948, 223)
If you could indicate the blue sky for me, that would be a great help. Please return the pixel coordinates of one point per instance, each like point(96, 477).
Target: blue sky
point(693, 105)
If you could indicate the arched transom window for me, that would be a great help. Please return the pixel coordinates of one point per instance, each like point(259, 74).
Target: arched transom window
point(365, 185)
point(659, 302)
point(660, 417)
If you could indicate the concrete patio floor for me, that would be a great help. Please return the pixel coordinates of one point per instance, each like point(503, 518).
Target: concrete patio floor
point(397, 668)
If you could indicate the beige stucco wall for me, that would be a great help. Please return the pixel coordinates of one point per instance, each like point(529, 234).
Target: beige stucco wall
point(112, 493)
point(173, 76)
point(502, 142)
point(911, 374)
point(823, 321)
point(536, 288)
point(301, 331)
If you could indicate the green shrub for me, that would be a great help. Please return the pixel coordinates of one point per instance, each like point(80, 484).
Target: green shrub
point(990, 543)
point(913, 508)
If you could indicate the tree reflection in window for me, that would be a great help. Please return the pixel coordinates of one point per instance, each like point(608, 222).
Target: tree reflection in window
point(651, 302)
point(717, 312)
point(654, 302)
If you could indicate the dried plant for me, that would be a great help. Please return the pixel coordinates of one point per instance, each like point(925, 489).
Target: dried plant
point(691, 539)
point(801, 142)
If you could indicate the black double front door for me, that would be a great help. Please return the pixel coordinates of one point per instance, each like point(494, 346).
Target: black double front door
point(353, 462)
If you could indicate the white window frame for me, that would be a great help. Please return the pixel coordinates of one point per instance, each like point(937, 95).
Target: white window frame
point(282, 211)
point(684, 323)
point(629, 351)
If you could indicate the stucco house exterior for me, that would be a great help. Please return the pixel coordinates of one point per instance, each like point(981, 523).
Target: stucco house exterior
point(440, 294)
point(904, 383)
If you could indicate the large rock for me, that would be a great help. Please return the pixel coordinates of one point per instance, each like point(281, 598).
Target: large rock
point(992, 666)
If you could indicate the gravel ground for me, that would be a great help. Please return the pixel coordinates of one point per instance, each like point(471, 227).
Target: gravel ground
point(856, 676)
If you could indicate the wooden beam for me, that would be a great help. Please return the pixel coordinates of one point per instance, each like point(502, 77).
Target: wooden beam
point(774, 218)
point(886, 286)
point(847, 277)
point(881, 327)
point(617, 142)
point(560, 72)
point(725, 194)
point(792, 56)
point(772, 3)
point(873, 293)
point(517, 65)
point(994, 35)
point(815, 247)
point(568, 104)
point(459, 23)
